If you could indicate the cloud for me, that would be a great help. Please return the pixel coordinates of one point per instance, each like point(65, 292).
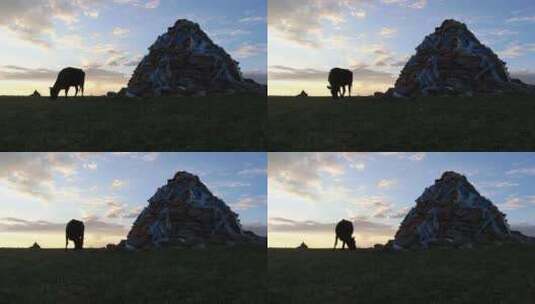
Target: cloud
point(386, 183)
point(91, 166)
point(148, 156)
point(252, 19)
point(249, 50)
point(300, 21)
point(530, 171)
point(93, 74)
point(92, 225)
point(514, 202)
point(516, 49)
point(280, 224)
point(529, 19)
point(249, 202)
point(252, 171)
point(303, 21)
point(120, 32)
point(362, 74)
point(32, 174)
point(258, 76)
point(300, 174)
point(388, 32)
point(118, 184)
point(258, 228)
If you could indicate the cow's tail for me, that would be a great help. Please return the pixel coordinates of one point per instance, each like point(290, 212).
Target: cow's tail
point(335, 242)
point(66, 241)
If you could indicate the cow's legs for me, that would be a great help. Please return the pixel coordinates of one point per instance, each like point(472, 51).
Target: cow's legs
point(66, 242)
point(350, 85)
point(335, 242)
point(67, 92)
point(343, 244)
point(76, 92)
point(343, 91)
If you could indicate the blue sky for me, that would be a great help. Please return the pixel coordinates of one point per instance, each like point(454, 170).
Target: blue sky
point(309, 192)
point(40, 192)
point(378, 37)
point(108, 38)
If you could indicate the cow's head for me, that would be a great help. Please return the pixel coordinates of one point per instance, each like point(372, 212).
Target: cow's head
point(334, 91)
point(351, 244)
point(54, 93)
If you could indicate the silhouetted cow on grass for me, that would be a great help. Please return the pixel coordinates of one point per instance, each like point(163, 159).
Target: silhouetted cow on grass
point(339, 79)
point(344, 232)
point(68, 77)
point(75, 233)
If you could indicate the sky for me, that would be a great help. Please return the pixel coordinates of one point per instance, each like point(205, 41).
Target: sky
point(41, 192)
point(308, 193)
point(109, 38)
point(375, 38)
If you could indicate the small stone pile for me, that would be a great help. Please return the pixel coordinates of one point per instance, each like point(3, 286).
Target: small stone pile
point(184, 213)
point(185, 62)
point(35, 94)
point(35, 246)
point(452, 213)
point(452, 61)
point(302, 246)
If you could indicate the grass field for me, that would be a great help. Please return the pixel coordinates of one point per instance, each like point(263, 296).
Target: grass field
point(223, 275)
point(230, 123)
point(424, 124)
point(488, 275)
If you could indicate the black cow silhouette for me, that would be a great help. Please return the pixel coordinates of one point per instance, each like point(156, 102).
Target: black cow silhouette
point(75, 233)
point(338, 80)
point(67, 78)
point(344, 232)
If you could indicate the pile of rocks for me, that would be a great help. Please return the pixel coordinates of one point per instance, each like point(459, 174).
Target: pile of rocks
point(452, 213)
point(184, 213)
point(35, 246)
point(185, 62)
point(452, 61)
point(35, 94)
point(302, 246)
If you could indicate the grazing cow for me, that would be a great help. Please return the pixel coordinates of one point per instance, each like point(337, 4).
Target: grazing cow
point(67, 78)
point(75, 233)
point(344, 232)
point(339, 79)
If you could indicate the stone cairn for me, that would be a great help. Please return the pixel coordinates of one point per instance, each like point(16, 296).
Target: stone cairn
point(184, 213)
point(185, 62)
point(452, 61)
point(452, 213)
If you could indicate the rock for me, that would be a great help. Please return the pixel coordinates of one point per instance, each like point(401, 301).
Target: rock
point(186, 62)
point(452, 213)
point(35, 94)
point(184, 213)
point(302, 94)
point(379, 94)
point(452, 61)
point(35, 246)
point(302, 246)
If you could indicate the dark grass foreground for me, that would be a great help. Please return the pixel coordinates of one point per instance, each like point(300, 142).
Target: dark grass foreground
point(491, 275)
point(229, 123)
point(425, 124)
point(236, 275)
